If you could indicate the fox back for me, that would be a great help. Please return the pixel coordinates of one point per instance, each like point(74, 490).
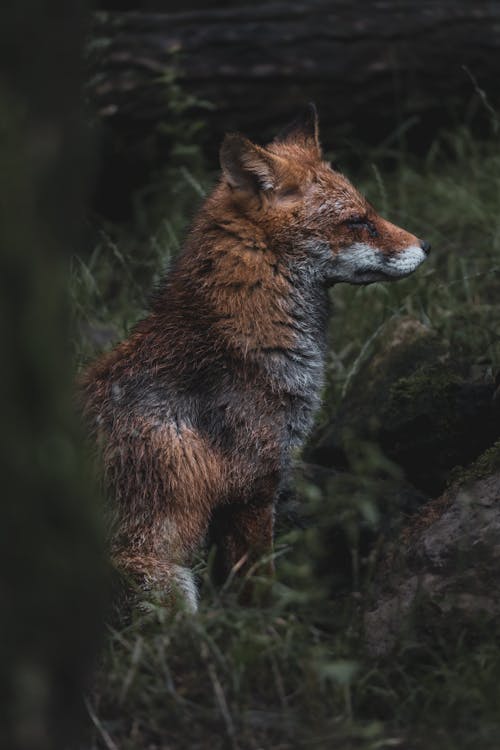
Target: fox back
point(199, 409)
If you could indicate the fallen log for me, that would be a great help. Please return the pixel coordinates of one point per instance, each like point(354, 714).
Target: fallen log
point(369, 71)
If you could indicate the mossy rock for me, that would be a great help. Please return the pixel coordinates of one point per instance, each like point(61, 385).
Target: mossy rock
point(445, 565)
point(433, 420)
point(487, 463)
point(401, 348)
point(412, 401)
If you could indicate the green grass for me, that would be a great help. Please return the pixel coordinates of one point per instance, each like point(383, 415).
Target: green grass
point(292, 675)
point(297, 674)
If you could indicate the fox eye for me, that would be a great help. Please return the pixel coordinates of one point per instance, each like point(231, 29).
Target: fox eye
point(361, 222)
point(356, 221)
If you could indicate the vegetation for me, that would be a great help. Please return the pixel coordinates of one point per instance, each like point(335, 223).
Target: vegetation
point(298, 673)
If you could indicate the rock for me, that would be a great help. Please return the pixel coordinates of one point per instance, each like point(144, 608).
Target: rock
point(445, 565)
point(413, 401)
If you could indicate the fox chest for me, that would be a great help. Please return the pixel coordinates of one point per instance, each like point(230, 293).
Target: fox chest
point(297, 383)
point(286, 403)
point(300, 416)
point(264, 416)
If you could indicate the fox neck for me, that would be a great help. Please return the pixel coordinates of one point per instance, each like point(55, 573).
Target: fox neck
point(297, 367)
point(265, 308)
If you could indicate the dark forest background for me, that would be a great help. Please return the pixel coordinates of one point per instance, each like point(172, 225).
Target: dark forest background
point(383, 630)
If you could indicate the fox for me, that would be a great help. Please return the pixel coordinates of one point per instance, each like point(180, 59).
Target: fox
point(199, 412)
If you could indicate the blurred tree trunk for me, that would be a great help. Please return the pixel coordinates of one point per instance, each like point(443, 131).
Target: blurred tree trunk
point(51, 559)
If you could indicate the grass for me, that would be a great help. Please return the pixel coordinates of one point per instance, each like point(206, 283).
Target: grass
point(296, 674)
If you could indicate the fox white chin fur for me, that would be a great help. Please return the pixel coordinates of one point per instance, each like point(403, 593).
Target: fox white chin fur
point(363, 264)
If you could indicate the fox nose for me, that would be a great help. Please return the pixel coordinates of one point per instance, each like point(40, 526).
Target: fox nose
point(426, 247)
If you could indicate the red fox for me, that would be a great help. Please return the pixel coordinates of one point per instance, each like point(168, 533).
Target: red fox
point(198, 411)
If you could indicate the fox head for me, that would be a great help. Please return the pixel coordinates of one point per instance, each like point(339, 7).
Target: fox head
point(311, 213)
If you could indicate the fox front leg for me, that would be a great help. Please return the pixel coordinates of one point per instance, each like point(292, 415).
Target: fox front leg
point(243, 538)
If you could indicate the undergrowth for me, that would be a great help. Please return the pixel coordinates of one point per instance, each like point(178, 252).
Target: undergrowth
point(296, 674)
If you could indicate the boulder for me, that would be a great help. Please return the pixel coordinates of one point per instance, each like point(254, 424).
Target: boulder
point(419, 406)
point(444, 566)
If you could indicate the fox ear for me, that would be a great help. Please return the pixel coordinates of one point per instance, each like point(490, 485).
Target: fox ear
point(246, 165)
point(304, 129)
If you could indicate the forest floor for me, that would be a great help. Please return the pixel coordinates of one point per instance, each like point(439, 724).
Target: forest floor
point(299, 673)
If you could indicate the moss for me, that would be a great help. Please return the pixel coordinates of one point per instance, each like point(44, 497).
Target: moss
point(487, 463)
point(403, 344)
point(430, 390)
